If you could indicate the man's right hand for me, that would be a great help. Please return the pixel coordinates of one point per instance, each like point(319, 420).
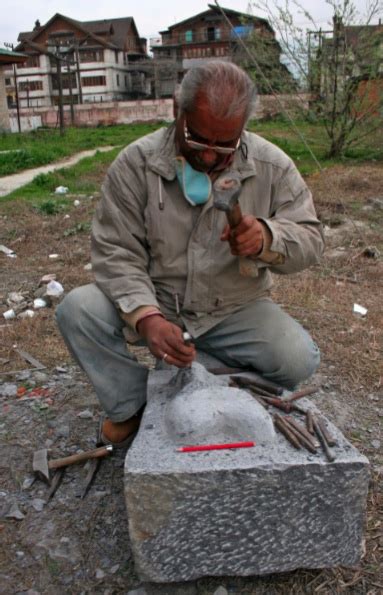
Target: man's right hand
point(165, 339)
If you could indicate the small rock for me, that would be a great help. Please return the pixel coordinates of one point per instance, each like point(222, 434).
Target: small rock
point(86, 414)
point(114, 569)
point(8, 390)
point(61, 370)
point(88, 267)
point(26, 314)
point(20, 554)
point(28, 482)
point(63, 431)
point(39, 303)
point(38, 504)
point(24, 375)
point(15, 298)
point(376, 202)
point(375, 443)
point(100, 574)
point(15, 513)
point(220, 591)
point(40, 377)
point(47, 278)
point(140, 591)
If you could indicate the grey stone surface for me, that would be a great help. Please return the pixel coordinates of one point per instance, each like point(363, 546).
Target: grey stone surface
point(241, 512)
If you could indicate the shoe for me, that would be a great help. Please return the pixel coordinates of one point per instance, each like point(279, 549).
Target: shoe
point(110, 432)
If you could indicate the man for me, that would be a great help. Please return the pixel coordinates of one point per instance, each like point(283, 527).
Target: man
point(165, 260)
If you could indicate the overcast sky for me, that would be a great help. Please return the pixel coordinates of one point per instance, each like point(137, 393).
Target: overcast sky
point(150, 16)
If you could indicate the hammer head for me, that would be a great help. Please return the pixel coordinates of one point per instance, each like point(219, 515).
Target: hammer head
point(226, 191)
point(40, 464)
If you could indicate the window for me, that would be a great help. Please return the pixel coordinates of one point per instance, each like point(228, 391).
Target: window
point(91, 55)
point(189, 36)
point(8, 82)
point(31, 85)
point(32, 62)
point(93, 81)
point(211, 33)
point(66, 82)
point(118, 80)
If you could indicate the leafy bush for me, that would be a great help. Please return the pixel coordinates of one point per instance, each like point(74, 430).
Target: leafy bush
point(49, 207)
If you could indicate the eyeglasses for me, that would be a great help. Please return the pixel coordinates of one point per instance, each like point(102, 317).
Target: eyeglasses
point(197, 146)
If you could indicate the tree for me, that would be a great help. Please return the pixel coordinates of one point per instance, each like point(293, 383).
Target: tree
point(340, 67)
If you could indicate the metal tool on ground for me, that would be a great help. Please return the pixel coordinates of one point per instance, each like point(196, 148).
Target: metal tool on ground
point(42, 466)
point(94, 466)
point(226, 191)
point(55, 483)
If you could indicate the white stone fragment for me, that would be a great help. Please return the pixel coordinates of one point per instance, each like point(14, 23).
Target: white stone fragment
point(61, 190)
point(358, 309)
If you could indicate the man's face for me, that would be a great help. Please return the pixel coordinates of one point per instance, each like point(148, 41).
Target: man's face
point(203, 127)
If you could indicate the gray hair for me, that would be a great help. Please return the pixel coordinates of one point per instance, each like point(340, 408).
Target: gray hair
point(228, 89)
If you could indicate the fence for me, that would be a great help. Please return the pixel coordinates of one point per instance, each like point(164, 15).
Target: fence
point(128, 112)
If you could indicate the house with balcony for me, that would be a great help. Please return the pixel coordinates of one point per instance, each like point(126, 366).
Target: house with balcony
point(205, 36)
point(81, 61)
point(8, 60)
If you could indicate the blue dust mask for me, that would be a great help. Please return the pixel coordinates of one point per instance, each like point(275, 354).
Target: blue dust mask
point(195, 185)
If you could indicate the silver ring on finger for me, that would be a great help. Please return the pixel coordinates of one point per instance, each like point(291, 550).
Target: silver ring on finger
point(165, 356)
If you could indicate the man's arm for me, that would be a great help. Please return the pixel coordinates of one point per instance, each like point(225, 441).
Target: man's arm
point(120, 259)
point(291, 239)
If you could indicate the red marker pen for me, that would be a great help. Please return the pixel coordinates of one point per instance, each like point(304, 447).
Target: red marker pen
point(215, 446)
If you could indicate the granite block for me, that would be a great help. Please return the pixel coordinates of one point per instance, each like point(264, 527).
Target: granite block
point(242, 512)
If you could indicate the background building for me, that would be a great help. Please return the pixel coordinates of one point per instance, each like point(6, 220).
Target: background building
point(7, 59)
point(205, 36)
point(84, 61)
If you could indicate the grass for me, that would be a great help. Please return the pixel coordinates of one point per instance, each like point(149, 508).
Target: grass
point(281, 133)
point(43, 146)
point(85, 177)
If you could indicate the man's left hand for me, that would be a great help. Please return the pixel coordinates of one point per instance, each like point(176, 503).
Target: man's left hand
point(246, 239)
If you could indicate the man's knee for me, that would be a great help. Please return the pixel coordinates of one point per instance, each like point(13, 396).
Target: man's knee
point(299, 358)
point(84, 305)
point(69, 310)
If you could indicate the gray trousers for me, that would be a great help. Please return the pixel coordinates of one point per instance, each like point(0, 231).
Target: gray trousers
point(260, 335)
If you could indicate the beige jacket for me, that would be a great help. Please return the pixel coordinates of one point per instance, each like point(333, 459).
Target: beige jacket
point(150, 247)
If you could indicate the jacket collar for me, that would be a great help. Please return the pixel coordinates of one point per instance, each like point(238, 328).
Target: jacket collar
point(162, 162)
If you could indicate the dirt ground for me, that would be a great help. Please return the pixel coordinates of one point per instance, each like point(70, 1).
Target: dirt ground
point(75, 545)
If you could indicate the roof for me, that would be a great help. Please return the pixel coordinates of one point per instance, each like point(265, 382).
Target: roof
point(8, 57)
point(354, 33)
point(115, 29)
point(228, 11)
